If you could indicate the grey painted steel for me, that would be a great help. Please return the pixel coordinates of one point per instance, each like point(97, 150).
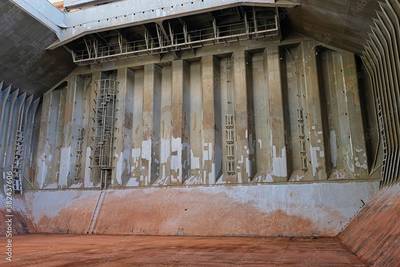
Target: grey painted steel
point(339, 23)
point(45, 12)
point(180, 40)
point(393, 91)
point(24, 61)
point(8, 123)
point(82, 3)
point(32, 26)
point(4, 96)
point(349, 19)
point(4, 92)
point(381, 57)
point(128, 13)
point(18, 110)
point(29, 143)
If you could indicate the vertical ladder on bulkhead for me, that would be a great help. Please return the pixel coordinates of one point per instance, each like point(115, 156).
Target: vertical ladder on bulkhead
point(229, 124)
point(96, 212)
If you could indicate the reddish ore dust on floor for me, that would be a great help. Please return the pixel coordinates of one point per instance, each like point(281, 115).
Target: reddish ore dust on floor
point(73, 250)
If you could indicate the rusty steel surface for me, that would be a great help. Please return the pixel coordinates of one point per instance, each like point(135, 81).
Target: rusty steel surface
point(70, 250)
point(375, 233)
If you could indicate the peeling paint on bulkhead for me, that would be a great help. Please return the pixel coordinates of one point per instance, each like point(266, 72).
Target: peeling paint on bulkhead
point(165, 150)
point(176, 156)
point(136, 156)
point(207, 152)
point(351, 155)
point(146, 149)
point(119, 168)
point(208, 163)
point(42, 170)
point(65, 160)
point(133, 182)
point(297, 177)
point(249, 169)
point(279, 163)
point(164, 138)
point(361, 161)
point(212, 176)
point(264, 178)
point(360, 165)
point(314, 159)
point(194, 161)
point(146, 155)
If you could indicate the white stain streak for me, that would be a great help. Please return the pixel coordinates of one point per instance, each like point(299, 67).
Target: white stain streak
point(194, 161)
point(351, 163)
point(136, 153)
point(207, 152)
point(119, 168)
point(279, 163)
point(165, 150)
point(248, 167)
point(42, 171)
point(176, 156)
point(264, 178)
point(260, 143)
point(212, 176)
point(146, 150)
point(133, 182)
point(65, 160)
point(146, 155)
point(78, 185)
point(314, 159)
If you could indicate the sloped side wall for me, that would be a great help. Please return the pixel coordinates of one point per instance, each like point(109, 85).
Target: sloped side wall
point(14, 219)
point(374, 235)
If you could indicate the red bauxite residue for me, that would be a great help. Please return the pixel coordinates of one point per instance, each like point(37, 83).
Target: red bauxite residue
point(74, 218)
point(206, 215)
point(374, 235)
point(59, 4)
point(173, 212)
point(69, 250)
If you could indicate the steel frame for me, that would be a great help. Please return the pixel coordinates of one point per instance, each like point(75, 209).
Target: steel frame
point(170, 41)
